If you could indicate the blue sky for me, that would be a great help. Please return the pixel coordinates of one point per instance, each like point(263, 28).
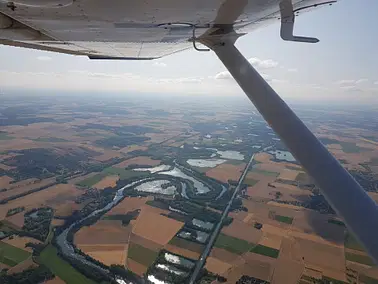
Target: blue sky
point(342, 66)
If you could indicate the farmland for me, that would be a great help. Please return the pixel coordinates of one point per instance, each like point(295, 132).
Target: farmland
point(63, 159)
point(62, 268)
point(11, 255)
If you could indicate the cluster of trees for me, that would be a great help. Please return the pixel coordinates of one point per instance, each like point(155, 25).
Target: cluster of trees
point(29, 276)
point(14, 211)
point(250, 280)
point(43, 163)
point(37, 223)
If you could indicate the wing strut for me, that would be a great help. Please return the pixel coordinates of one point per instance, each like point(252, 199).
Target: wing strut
point(340, 189)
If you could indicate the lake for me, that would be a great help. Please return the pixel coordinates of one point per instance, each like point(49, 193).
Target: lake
point(202, 163)
point(283, 155)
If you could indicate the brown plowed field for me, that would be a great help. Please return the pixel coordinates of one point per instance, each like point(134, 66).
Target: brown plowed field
point(224, 172)
point(20, 242)
point(240, 230)
point(155, 227)
point(217, 266)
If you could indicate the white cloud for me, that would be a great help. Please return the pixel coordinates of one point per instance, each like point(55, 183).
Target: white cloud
point(345, 82)
point(360, 81)
point(292, 70)
point(352, 82)
point(159, 64)
point(263, 64)
point(376, 83)
point(224, 75)
point(44, 58)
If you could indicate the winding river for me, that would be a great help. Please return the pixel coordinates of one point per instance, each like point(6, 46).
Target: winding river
point(68, 250)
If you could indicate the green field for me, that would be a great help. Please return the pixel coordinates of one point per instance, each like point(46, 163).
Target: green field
point(11, 255)
point(283, 219)
point(266, 173)
point(336, 222)
point(232, 244)
point(263, 250)
point(349, 147)
point(89, 182)
point(180, 242)
point(352, 243)
point(4, 136)
point(364, 259)
point(141, 254)
point(61, 268)
point(250, 181)
point(50, 139)
point(123, 173)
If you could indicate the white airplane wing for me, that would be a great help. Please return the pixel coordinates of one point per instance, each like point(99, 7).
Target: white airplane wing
point(132, 29)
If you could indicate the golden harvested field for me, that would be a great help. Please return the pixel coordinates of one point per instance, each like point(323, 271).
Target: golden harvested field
point(4, 182)
point(30, 185)
point(20, 242)
point(261, 190)
point(155, 227)
point(374, 196)
point(107, 256)
point(315, 226)
point(288, 174)
point(224, 172)
point(46, 197)
point(128, 204)
point(66, 209)
point(57, 222)
point(217, 266)
point(281, 275)
point(140, 160)
point(106, 232)
point(108, 181)
point(241, 230)
point(255, 269)
point(107, 155)
point(271, 240)
point(17, 219)
point(128, 149)
point(294, 207)
point(317, 255)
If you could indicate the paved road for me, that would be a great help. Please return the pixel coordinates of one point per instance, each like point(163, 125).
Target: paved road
point(201, 262)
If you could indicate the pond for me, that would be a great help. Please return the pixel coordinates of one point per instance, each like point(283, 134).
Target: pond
point(178, 260)
point(202, 224)
point(155, 186)
point(170, 268)
point(199, 187)
point(153, 279)
point(154, 169)
point(209, 163)
point(283, 155)
point(231, 155)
